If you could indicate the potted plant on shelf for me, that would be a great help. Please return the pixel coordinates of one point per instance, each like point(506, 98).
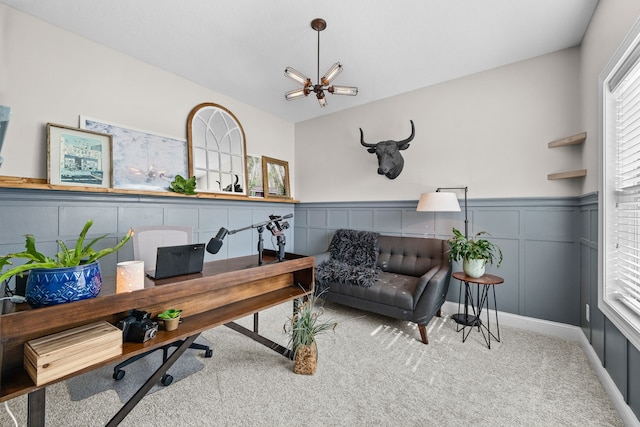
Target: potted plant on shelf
point(183, 185)
point(171, 319)
point(71, 274)
point(303, 328)
point(474, 253)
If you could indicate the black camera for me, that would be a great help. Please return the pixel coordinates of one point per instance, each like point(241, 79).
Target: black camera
point(277, 226)
point(138, 327)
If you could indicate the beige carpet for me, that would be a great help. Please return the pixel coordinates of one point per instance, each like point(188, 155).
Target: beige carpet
point(372, 372)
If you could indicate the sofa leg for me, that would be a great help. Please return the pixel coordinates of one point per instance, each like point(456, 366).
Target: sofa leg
point(423, 333)
point(439, 312)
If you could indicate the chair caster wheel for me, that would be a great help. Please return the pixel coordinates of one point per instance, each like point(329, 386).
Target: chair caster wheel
point(166, 379)
point(118, 375)
point(208, 353)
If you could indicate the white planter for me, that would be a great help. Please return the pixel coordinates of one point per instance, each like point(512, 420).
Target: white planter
point(474, 267)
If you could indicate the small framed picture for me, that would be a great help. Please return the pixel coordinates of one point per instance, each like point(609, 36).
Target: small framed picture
point(78, 157)
point(254, 173)
point(275, 178)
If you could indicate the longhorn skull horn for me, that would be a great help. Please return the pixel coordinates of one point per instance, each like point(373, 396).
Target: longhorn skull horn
point(364, 143)
point(408, 140)
point(399, 143)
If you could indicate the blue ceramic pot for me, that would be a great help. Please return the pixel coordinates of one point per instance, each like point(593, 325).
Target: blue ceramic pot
point(51, 286)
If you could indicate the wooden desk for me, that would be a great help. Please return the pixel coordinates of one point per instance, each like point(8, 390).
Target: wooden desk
point(226, 290)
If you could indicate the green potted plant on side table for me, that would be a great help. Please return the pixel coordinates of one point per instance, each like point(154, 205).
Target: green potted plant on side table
point(71, 274)
point(303, 328)
point(171, 319)
point(474, 253)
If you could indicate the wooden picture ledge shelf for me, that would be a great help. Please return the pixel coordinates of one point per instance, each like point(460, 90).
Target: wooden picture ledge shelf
point(570, 140)
point(41, 184)
point(567, 175)
point(576, 139)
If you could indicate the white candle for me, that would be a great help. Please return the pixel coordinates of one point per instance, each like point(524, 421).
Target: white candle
point(129, 276)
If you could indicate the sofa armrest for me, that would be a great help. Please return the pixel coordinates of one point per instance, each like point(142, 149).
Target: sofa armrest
point(431, 292)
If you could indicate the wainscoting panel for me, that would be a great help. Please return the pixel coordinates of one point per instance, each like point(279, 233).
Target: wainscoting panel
point(338, 219)
point(388, 220)
point(495, 221)
point(60, 215)
point(616, 360)
point(42, 221)
point(633, 382)
point(585, 289)
point(551, 224)
point(551, 288)
point(362, 219)
point(540, 269)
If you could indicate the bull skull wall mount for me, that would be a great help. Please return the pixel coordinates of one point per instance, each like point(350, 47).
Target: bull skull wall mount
point(390, 161)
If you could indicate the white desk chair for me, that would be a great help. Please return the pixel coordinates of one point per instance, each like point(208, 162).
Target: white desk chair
point(146, 241)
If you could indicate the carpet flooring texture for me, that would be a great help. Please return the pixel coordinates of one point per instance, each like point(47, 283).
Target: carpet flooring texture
point(136, 373)
point(373, 371)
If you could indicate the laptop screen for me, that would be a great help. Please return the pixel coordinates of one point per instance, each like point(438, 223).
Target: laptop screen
point(178, 260)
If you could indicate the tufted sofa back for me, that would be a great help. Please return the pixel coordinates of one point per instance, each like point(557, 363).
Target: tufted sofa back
point(412, 256)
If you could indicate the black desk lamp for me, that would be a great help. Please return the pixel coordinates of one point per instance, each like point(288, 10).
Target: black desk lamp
point(448, 202)
point(275, 225)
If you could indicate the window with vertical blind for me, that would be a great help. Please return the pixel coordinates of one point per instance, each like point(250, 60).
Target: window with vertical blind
point(619, 284)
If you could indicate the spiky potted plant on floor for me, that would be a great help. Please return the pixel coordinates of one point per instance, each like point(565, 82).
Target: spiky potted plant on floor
point(303, 328)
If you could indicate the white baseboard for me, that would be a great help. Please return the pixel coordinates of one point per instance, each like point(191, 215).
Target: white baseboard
point(568, 332)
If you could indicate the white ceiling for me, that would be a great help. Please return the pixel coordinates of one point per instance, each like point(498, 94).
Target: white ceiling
point(240, 47)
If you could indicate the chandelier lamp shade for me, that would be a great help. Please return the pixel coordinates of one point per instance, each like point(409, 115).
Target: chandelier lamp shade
point(323, 84)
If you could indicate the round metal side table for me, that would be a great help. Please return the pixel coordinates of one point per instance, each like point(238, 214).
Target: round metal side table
point(466, 320)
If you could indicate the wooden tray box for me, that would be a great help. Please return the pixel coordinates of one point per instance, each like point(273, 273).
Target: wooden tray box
point(54, 356)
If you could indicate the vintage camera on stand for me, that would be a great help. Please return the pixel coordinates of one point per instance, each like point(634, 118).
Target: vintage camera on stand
point(277, 227)
point(138, 327)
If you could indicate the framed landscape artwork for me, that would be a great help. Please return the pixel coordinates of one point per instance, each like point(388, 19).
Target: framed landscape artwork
point(78, 157)
point(275, 178)
point(254, 173)
point(142, 160)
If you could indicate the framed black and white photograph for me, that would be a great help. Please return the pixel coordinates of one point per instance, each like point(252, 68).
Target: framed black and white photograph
point(78, 157)
point(142, 160)
point(275, 177)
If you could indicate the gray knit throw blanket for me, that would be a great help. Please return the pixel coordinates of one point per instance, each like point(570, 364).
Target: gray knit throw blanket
point(353, 260)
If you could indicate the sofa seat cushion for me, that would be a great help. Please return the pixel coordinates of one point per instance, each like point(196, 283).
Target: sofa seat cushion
point(392, 289)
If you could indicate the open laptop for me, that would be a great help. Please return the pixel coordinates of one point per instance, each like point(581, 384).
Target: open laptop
point(178, 260)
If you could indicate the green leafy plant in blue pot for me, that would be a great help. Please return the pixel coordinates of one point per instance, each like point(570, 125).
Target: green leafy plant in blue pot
point(72, 274)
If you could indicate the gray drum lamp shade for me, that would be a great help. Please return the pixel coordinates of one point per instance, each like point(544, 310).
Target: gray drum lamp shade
point(439, 201)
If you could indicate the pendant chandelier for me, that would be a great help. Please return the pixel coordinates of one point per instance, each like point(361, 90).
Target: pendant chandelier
point(323, 83)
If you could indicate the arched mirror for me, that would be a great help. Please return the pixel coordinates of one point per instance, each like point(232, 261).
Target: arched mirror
point(217, 150)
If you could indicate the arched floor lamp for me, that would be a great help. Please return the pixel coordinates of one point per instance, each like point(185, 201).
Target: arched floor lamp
point(444, 201)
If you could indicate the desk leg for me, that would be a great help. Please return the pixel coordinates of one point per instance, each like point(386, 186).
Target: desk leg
point(259, 338)
point(153, 380)
point(36, 408)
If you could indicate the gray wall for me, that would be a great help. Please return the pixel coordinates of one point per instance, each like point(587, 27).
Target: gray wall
point(537, 237)
point(53, 215)
point(620, 358)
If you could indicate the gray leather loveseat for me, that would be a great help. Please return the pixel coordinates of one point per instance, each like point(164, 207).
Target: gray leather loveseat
point(406, 278)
